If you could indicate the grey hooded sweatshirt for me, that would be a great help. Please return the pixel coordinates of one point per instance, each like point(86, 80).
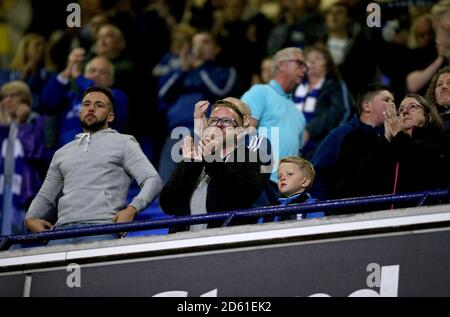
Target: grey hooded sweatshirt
point(94, 173)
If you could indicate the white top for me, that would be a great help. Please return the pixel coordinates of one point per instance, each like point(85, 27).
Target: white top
point(337, 48)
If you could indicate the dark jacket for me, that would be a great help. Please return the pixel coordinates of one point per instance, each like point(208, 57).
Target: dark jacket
point(335, 159)
point(233, 185)
point(445, 115)
point(333, 106)
point(423, 163)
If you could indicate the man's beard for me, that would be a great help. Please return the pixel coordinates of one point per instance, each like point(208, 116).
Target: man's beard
point(93, 127)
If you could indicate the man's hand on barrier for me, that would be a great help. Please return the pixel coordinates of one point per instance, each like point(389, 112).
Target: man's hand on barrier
point(38, 225)
point(125, 215)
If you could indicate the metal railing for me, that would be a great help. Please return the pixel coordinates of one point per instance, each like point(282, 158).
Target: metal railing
point(227, 216)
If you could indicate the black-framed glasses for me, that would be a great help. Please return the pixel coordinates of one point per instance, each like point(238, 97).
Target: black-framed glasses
point(224, 122)
point(299, 63)
point(412, 108)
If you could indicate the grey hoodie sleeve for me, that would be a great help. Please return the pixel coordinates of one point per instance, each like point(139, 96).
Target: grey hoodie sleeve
point(137, 165)
point(45, 199)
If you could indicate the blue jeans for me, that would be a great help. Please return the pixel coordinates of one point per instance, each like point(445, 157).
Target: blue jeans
point(78, 240)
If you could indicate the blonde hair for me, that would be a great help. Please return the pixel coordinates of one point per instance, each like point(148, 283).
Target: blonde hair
point(412, 40)
point(440, 8)
point(19, 59)
point(282, 55)
point(182, 34)
point(21, 88)
point(305, 166)
point(242, 106)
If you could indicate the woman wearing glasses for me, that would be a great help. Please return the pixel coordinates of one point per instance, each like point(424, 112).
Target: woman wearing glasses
point(413, 156)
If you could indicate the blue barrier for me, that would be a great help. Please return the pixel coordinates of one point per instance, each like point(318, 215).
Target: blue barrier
point(226, 216)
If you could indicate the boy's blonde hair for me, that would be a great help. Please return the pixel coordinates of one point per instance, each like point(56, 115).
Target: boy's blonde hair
point(305, 166)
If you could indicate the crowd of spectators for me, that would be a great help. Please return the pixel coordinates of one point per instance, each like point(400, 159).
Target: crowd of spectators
point(329, 79)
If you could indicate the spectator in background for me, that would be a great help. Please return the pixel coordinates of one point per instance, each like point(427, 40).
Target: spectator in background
point(422, 32)
point(272, 108)
point(93, 173)
point(413, 138)
point(323, 98)
point(233, 30)
point(347, 145)
point(111, 44)
point(218, 174)
point(439, 95)
point(441, 18)
point(181, 38)
point(265, 74)
point(303, 26)
point(30, 64)
point(419, 79)
point(63, 93)
point(199, 78)
point(351, 49)
point(295, 177)
point(424, 60)
point(63, 41)
point(22, 159)
point(15, 19)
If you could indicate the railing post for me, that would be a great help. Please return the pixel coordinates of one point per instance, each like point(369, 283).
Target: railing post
point(4, 243)
point(423, 199)
point(228, 220)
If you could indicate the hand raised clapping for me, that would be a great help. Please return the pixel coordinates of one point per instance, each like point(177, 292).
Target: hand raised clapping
point(393, 123)
point(191, 152)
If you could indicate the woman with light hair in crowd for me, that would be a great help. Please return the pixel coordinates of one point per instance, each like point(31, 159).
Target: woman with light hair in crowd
point(22, 137)
point(31, 63)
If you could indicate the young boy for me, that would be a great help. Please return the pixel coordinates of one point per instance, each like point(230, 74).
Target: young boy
point(295, 177)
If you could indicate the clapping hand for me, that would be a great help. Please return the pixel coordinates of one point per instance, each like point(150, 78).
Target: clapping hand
point(393, 123)
point(200, 122)
point(190, 152)
point(74, 63)
point(211, 142)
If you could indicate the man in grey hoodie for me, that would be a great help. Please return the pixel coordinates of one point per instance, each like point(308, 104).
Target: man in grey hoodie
point(94, 173)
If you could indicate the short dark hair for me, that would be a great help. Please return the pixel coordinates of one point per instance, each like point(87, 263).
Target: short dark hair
point(369, 92)
point(106, 91)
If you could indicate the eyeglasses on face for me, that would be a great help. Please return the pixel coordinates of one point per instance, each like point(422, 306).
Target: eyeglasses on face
point(299, 63)
point(414, 107)
point(224, 122)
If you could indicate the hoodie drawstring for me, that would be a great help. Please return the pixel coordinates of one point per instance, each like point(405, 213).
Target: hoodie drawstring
point(83, 136)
